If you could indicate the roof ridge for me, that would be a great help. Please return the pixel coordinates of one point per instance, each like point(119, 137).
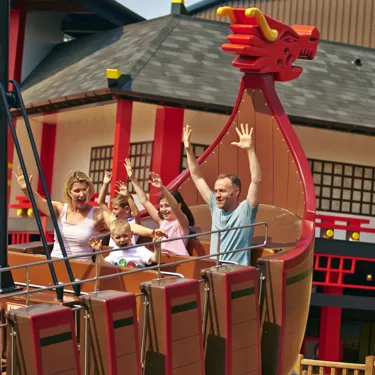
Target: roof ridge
point(154, 45)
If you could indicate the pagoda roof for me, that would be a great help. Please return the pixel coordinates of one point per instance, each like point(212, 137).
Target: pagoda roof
point(178, 60)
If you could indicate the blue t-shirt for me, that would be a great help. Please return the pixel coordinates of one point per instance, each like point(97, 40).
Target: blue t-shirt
point(244, 214)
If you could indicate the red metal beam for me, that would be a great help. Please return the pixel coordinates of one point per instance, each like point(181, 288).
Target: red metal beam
point(121, 141)
point(16, 40)
point(47, 155)
point(166, 155)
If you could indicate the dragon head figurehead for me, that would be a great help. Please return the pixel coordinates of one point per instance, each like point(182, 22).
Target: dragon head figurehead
point(265, 45)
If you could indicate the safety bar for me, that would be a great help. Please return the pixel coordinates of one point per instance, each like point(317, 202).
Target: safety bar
point(28, 184)
point(157, 267)
point(189, 236)
point(44, 184)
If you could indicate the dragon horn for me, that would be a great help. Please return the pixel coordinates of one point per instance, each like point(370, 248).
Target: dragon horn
point(269, 34)
point(227, 11)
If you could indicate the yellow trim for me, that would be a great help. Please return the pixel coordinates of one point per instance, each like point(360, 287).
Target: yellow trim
point(178, 2)
point(10, 165)
point(9, 182)
point(227, 11)
point(269, 34)
point(113, 73)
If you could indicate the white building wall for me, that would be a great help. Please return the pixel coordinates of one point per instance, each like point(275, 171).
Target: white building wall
point(79, 130)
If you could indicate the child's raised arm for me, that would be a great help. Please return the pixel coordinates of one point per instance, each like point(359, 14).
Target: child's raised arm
point(123, 190)
point(98, 246)
point(103, 190)
point(141, 194)
point(175, 206)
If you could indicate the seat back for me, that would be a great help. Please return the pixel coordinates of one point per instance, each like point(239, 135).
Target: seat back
point(284, 227)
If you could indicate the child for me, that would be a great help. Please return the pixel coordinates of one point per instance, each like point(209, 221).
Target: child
point(121, 235)
point(174, 217)
point(123, 206)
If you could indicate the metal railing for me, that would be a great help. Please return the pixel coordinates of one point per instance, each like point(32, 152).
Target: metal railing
point(158, 267)
point(76, 308)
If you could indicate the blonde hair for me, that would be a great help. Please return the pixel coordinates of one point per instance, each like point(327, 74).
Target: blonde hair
point(119, 225)
point(73, 177)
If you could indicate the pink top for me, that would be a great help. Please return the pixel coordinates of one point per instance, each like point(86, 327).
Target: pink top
point(75, 236)
point(172, 228)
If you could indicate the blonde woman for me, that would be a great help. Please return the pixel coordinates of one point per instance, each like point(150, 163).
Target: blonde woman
point(78, 220)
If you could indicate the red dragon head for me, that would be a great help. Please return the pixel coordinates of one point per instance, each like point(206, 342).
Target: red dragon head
point(264, 45)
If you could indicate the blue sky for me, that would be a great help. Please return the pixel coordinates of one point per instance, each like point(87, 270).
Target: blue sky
point(152, 8)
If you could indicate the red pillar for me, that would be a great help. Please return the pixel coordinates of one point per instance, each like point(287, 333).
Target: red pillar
point(121, 141)
point(47, 155)
point(16, 40)
point(166, 156)
point(330, 329)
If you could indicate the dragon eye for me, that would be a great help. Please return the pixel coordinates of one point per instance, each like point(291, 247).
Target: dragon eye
point(289, 39)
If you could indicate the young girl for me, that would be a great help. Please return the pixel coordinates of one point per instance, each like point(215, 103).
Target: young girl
point(174, 216)
point(123, 206)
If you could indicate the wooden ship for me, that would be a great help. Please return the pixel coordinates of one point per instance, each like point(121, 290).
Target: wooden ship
point(188, 315)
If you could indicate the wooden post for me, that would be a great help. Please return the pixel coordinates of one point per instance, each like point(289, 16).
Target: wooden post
point(298, 365)
point(370, 369)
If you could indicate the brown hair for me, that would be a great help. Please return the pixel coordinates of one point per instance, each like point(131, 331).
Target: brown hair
point(184, 207)
point(120, 200)
point(236, 182)
point(73, 177)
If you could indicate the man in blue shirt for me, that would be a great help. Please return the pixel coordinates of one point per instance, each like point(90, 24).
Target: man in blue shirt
point(226, 209)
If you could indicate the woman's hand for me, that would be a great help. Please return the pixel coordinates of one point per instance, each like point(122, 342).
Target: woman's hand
point(156, 180)
point(129, 168)
point(122, 189)
point(21, 178)
point(107, 177)
point(95, 244)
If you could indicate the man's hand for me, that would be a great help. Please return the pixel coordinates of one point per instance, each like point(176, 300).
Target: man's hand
point(95, 244)
point(246, 138)
point(21, 178)
point(156, 180)
point(107, 177)
point(122, 189)
point(129, 168)
point(187, 135)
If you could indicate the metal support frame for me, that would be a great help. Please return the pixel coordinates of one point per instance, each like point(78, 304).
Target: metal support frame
point(6, 279)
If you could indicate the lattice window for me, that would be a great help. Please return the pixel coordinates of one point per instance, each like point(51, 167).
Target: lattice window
point(140, 155)
point(141, 158)
point(100, 160)
point(345, 188)
point(198, 150)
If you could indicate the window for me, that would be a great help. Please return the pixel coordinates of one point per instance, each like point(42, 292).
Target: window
point(140, 154)
point(345, 188)
point(198, 150)
point(141, 157)
point(100, 161)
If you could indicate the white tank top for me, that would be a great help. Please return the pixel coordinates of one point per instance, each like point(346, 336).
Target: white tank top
point(75, 236)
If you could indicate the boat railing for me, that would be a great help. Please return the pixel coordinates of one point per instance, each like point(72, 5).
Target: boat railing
point(158, 267)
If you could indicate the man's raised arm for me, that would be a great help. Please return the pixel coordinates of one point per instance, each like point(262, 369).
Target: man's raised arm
point(195, 169)
point(246, 142)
